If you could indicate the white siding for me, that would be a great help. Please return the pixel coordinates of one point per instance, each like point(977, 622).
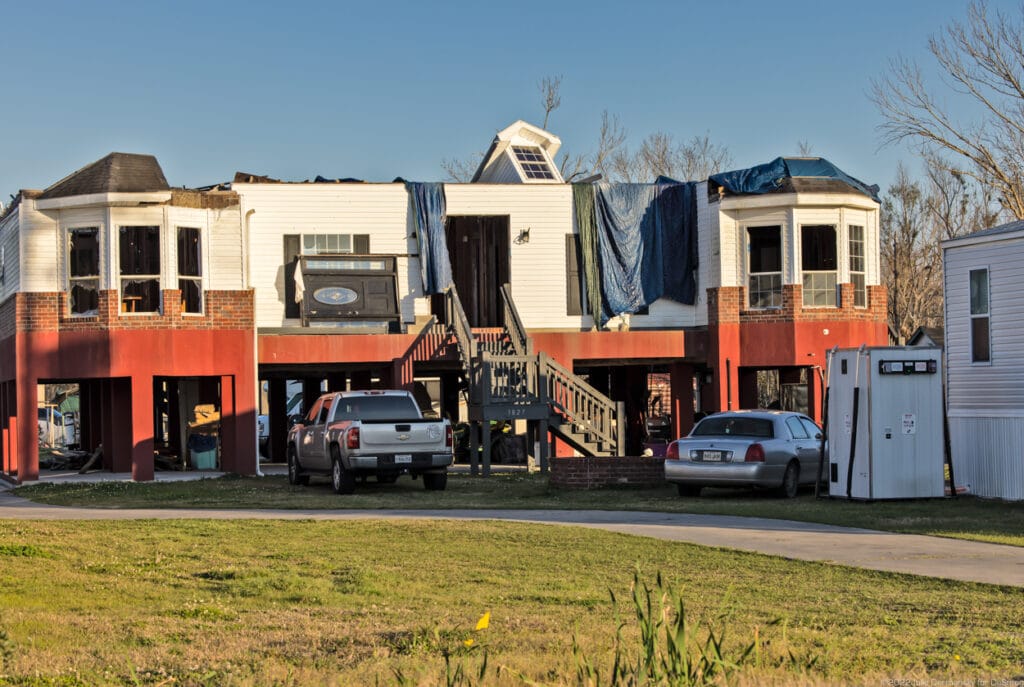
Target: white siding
point(987, 455)
point(998, 385)
point(986, 400)
point(537, 268)
point(379, 210)
point(9, 241)
point(501, 171)
point(226, 265)
point(41, 254)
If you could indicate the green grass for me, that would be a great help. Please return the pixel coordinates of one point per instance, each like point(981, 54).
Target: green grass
point(254, 602)
point(964, 517)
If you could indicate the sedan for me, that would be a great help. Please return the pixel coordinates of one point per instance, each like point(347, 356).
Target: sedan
point(771, 449)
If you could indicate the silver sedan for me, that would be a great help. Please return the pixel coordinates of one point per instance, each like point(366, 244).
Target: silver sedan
point(746, 448)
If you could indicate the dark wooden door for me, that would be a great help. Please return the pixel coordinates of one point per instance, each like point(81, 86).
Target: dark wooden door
point(479, 251)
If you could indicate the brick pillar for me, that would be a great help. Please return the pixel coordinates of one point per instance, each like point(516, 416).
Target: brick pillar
point(25, 431)
point(724, 345)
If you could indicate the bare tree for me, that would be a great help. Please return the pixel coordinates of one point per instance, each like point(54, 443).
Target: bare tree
point(804, 149)
point(550, 88)
point(659, 154)
point(982, 61)
point(916, 218)
point(910, 260)
point(461, 171)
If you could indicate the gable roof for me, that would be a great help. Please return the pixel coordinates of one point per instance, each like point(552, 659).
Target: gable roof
point(519, 133)
point(115, 173)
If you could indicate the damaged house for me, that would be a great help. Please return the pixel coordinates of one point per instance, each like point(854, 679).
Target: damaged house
point(598, 317)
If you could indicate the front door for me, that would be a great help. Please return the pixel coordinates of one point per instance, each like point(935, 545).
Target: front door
point(479, 251)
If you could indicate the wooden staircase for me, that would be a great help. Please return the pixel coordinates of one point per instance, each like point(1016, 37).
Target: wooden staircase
point(506, 380)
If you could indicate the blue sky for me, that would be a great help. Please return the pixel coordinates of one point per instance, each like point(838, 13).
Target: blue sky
point(387, 89)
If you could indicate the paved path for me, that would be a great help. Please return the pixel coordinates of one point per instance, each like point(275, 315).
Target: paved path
point(905, 553)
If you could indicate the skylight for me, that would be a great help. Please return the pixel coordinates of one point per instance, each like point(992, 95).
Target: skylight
point(533, 162)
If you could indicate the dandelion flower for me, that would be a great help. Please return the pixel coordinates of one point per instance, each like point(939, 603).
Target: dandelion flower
point(469, 642)
point(484, 622)
point(956, 657)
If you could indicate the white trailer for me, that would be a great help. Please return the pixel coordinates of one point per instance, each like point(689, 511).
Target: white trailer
point(886, 436)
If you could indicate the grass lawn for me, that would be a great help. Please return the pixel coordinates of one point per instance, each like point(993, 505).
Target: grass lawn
point(342, 603)
point(964, 517)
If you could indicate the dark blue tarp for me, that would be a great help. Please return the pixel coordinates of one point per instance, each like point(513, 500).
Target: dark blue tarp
point(427, 210)
point(646, 244)
point(768, 177)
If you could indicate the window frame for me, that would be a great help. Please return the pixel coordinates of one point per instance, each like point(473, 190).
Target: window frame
point(774, 290)
point(530, 168)
point(985, 316)
point(197, 279)
point(71, 280)
point(860, 288)
point(829, 291)
point(157, 277)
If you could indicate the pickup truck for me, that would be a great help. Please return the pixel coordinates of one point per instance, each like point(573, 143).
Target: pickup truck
point(356, 434)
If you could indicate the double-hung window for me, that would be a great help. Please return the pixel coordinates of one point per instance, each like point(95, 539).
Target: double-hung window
point(83, 271)
point(190, 269)
point(981, 347)
point(140, 269)
point(764, 289)
point(818, 264)
point(860, 289)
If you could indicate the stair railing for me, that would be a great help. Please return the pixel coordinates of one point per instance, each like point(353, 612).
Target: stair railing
point(455, 317)
point(521, 342)
point(583, 406)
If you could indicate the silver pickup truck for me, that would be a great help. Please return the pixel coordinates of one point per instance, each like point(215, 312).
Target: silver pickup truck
point(356, 434)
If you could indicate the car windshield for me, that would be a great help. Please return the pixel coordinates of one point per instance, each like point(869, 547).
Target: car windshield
point(731, 425)
point(377, 408)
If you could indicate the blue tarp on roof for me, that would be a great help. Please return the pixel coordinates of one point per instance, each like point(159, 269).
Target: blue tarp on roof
point(768, 177)
point(646, 241)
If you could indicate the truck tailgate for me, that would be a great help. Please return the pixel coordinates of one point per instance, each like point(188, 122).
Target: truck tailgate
point(400, 437)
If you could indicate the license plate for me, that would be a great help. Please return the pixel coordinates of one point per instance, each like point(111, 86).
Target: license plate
point(711, 456)
point(403, 458)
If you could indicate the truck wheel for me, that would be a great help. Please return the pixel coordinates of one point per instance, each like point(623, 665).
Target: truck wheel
point(435, 481)
point(343, 481)
point(295, 475)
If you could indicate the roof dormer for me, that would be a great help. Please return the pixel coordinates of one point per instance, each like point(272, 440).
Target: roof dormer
point(521, 154)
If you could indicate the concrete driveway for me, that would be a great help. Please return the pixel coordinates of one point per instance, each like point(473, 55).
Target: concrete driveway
point(904, 553)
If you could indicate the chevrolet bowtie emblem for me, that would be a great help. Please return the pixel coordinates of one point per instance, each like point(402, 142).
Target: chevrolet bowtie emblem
point(403, 437)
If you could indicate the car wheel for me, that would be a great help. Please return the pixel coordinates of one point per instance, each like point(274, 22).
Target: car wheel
point(688, 489)
point(295, 475)
point(790, 481)
point(435, 481)
point(343, 481)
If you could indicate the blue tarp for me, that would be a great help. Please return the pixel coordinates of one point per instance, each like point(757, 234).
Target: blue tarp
point(646, 244)
point(768, 177)
point(427, 210)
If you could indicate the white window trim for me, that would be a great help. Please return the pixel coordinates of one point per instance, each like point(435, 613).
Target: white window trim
point(971, 316)
point(864, 256)
point(802, 272)
point(66, 240)
point(748, 273)
point(203, 266)
point(159, 277)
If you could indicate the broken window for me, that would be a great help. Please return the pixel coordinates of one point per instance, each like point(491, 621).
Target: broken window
point(190, 269)
point(818, 255)
point(140, 269)
point(981, 347)
point(764, 290)
point(860, 289)
point(83, 271)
